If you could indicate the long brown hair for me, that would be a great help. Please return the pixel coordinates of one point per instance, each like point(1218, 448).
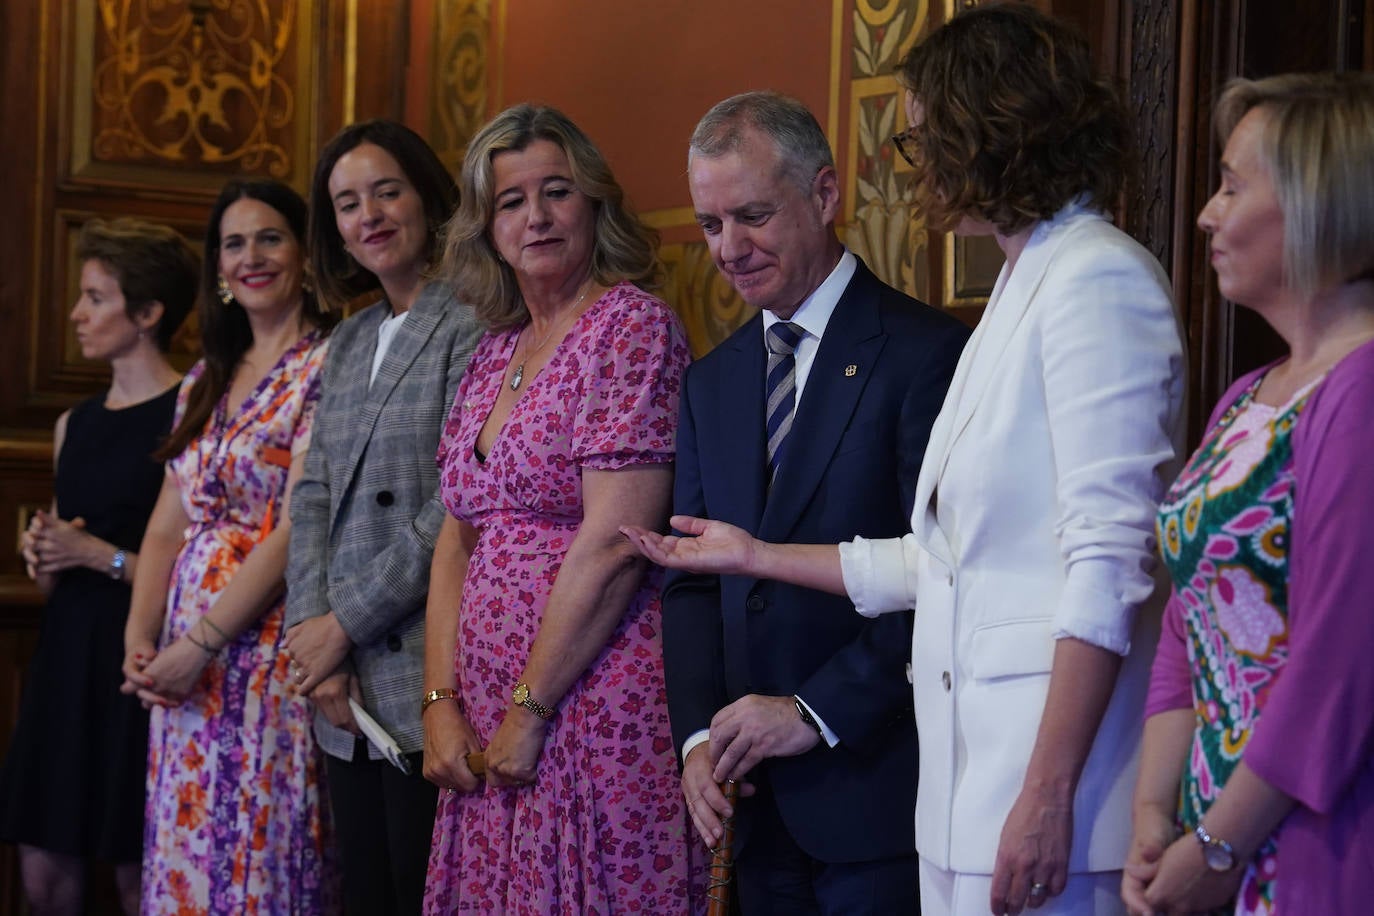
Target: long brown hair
point(225, 334)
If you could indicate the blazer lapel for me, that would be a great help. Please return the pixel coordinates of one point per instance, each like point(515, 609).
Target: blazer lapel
point(738, 422)
point(839, 373)
point(979, 365)
point(405, 346)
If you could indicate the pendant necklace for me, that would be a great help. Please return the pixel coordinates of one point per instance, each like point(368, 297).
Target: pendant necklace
point(518, 375)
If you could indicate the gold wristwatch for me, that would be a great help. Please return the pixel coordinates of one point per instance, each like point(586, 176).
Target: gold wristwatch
point(521, 697)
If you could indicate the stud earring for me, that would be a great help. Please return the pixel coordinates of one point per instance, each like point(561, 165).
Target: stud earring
point(222, 290)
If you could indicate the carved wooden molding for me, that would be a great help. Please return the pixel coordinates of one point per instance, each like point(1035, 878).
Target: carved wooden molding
point(177, 97)
point(1152, 95)
point(458, 103)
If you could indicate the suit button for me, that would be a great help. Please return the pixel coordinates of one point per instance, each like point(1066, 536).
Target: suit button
point(384, 498)
point(949, 580)
point(755, 603)
point(946, 680)
point(393, 642)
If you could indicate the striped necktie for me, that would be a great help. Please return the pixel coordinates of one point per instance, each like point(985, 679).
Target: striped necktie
point(782, 338)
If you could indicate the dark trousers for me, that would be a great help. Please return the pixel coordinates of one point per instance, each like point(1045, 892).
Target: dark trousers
point(384, 821)
point(775, 877)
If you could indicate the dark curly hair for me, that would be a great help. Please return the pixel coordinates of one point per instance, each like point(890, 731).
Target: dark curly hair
point(1016, 123)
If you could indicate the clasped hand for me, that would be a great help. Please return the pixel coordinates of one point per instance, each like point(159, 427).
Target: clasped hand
point(51, 544)
point(1166, 873)
point(316, 648)
point(166, 677)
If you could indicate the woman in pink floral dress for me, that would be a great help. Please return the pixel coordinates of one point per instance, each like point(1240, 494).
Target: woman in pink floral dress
point(236, 821)
point(543, 636)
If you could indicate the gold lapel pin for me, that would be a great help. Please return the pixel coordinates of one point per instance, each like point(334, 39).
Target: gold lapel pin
point(850, 370)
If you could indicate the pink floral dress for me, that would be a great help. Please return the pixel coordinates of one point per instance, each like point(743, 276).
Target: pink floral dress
point(1223, 530)
point(236, 819)
point(604, 828)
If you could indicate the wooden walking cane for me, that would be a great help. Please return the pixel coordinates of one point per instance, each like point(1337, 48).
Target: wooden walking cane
point(722, 873)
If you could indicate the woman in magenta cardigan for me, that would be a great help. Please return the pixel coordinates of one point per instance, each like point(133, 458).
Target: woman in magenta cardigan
point(1259, 741)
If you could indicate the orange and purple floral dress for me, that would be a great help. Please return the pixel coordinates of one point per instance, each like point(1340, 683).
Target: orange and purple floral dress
point(237, 821)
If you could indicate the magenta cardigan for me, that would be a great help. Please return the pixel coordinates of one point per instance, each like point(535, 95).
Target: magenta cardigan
point(1315, 737)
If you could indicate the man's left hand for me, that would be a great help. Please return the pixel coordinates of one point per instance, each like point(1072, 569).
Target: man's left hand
point(754, 728)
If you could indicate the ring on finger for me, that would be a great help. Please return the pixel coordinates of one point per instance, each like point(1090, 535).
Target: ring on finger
point(1038, 890)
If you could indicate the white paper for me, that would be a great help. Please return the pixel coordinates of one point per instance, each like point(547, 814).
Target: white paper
point(379, 737)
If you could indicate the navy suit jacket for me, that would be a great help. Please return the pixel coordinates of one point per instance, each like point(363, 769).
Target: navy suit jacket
point(853, 454)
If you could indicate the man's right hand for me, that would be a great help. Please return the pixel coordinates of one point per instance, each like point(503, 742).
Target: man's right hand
point(705, 801)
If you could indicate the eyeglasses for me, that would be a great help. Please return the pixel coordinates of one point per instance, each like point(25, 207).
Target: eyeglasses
point(906, 145)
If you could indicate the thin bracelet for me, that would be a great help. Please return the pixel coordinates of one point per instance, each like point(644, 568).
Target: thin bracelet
point(204, 647)
point(206, 639)
point(205, 619)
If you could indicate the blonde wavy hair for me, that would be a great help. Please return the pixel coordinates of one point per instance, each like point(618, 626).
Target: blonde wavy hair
point(623, 249)
point(1318, 144)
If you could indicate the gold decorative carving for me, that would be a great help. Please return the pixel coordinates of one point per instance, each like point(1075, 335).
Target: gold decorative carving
point(880, 225)
point(884, 230)
point(459, 100)
point(207, 87)
point(708, 305)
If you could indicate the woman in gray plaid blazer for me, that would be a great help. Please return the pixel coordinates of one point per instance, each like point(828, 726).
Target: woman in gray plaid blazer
point(367, 510)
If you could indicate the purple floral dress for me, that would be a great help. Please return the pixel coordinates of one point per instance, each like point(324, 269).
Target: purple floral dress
point(236, 819)
point(1223, 530)
point(603, 829)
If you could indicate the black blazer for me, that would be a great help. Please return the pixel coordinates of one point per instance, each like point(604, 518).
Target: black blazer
point(853, 454)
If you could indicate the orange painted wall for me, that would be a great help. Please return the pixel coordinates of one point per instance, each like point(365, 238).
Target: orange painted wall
point(636, 75)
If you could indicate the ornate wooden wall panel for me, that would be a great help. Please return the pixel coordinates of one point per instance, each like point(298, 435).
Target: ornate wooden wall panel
point(144, 108)
point(460, 66)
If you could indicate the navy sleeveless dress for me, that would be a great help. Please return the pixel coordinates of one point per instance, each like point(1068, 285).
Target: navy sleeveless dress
point(73, 779)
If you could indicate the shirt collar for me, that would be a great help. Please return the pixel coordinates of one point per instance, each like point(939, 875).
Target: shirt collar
point(815, 311)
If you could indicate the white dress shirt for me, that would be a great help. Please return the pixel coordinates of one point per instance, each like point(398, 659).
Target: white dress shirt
point(386, 331)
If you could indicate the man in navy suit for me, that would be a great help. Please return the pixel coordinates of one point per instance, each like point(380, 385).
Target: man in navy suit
point(811, 431)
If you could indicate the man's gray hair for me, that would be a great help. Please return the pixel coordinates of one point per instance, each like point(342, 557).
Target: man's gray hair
point(787, 122)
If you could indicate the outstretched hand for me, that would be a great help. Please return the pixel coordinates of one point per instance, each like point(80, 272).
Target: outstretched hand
point(707, 546)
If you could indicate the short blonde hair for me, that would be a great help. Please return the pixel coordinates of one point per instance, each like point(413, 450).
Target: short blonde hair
point(623, 249)
point(1318, 144)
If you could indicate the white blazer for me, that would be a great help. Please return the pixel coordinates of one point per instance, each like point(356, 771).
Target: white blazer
point(1034, 520)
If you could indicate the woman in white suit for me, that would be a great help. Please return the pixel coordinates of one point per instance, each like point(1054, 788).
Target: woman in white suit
point(1032, 550)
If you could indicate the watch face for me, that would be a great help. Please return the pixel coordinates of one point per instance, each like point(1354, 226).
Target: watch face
point(1218, 858)
point(520, 694)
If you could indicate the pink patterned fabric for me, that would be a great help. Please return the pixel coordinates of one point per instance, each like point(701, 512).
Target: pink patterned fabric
point(236, 821)
point(604, 828)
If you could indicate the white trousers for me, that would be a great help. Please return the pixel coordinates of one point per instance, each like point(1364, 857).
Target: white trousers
point(948, 893)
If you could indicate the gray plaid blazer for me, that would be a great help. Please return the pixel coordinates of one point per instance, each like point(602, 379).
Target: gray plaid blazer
point(367, 510)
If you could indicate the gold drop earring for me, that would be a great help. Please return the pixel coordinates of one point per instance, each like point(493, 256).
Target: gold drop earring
point(222, 290)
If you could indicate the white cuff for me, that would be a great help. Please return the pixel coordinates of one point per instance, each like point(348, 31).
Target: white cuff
point(831, 739)
point(880, 575)
point(698, 737)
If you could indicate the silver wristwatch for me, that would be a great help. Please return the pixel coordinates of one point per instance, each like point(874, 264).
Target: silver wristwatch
point(117, 565)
